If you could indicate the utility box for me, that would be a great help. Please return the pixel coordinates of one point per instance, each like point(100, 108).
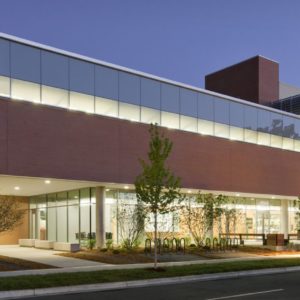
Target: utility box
point(275, 239)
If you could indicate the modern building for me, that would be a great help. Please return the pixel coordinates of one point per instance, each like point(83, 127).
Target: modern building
point(72, 129)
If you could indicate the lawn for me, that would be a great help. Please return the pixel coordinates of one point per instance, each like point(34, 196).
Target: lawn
point(66, 279)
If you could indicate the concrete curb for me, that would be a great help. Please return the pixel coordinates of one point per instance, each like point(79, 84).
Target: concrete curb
point(75, 289)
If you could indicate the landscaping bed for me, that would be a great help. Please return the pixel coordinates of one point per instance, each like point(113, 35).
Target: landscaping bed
point(14, 264)
point(114, 257)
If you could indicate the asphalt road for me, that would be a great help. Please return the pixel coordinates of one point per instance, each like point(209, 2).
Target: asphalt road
point(279, 286)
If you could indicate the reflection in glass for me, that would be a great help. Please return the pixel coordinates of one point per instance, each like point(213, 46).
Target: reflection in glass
point(129, 88)
point(150, 93)
point(169, 98)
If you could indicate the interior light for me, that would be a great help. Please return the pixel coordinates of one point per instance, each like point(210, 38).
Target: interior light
point(126, 187)
point(237, 195)
point(17, 188)
point(189, 191)
point(273, 197)
point(107, 190)
point(47, 181)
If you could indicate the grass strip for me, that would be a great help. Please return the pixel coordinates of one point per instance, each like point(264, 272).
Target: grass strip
point(67, 279)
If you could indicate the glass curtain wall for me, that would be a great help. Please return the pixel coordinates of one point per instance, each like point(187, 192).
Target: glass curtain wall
point(71, 217)
point(41, 76)
point(64, 217)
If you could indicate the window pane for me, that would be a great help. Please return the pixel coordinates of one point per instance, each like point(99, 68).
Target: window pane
point(73, 216)
point(205, 127)
point(106, 82)
point(150, 93)
point(297, 145)
point(4, 58)
point(55, 70)
point(287, 144)
point(84, 216)
point(169, 98)
point(51, 217)
point(169, 120)
point(81, 76)
point(236, 114)
point(221, 111)
point(288, 127)
point(129, 112)
point(82, 102)
point(129, 90)
point(106, 107)
point(250, 136)
point(188, 123)
point(276, 124)
point(188, 103)
point(236, 133)
point(276, 141)
point(263, 139)
point(62, 217)
point(205, 107)
point(25, 62)
point(264, 121)
point(250, 117)
point(23, 90)
point(55, 96)
point(149, 115)
point(4, 86)
point(297, 128)
point(221, 130)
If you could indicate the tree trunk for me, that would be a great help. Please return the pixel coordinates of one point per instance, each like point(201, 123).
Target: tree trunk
point(155, 240)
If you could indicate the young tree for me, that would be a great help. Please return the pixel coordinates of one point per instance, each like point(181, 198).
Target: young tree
point(157, 186)
point(131, 222)
point(10, 213)
point(194, 218)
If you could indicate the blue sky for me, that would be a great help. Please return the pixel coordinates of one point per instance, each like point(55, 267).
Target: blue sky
point(178, 39)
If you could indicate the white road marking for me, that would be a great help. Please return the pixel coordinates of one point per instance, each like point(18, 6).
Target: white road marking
point(248, 294)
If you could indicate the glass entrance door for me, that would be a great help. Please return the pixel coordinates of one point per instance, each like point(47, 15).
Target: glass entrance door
point(263, 222)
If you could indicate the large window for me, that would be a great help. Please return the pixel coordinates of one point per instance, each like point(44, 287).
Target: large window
point(24, 90)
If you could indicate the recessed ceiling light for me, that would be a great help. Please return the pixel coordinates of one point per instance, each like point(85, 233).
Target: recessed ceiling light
point(47, 181)
point(237, 195)
point(126, 187)
point(273, 197)
point(189, 191)
point(107, 190)
point(17, 188)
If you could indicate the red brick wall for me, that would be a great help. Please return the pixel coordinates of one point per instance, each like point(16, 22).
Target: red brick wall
point(255, 80)
point(41, 141)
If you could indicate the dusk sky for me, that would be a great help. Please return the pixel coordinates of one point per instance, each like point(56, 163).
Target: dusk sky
point(178, 40)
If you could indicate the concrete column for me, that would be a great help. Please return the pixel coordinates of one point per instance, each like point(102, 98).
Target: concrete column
point(284, 220)
point(100, 221)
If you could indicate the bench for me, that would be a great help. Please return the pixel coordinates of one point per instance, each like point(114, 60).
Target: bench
point(26, 242)
point(69, 247)
point(43, 244)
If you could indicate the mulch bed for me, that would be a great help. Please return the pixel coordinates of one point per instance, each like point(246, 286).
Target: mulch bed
point(14, 264)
